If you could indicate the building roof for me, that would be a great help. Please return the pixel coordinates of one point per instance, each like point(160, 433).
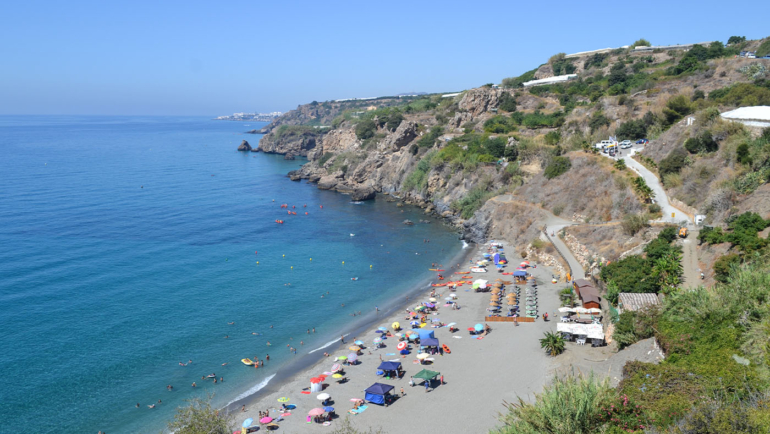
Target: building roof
point(592, 331)
point(756, 116)
point(583, 282)
point(631, 301)
point(549, 80)
point(589, 294)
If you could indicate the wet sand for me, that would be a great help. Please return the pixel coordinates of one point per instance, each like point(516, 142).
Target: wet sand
point(479, 374)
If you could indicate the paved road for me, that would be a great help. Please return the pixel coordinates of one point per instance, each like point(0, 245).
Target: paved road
point(553, 226)
point(660, 194)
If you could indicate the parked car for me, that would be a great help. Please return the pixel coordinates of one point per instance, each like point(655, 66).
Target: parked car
point(642, 142)
point(625, 144)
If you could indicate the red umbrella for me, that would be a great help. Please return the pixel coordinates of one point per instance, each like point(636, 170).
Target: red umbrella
point(266, 420)
point(316, 380)
point(322, 377)
point(471, 329)
point(401, 346)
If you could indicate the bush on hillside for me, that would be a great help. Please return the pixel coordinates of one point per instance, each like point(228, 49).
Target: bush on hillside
point(429, 139)
point(701, 144)
point(742, 95)
point(632, 130)
point(517, 81)
point(598, 120)
point(742, 154)
point(736, 40)
point(499, 125)
point(764, 49)
point(199, 417)
point(676, 108)
point(673, 163)
point(595, 60)
point(641, 43)
point(366, 129)
point(724, 265)
point(633, 223)
point(507, 102)
point(558, 166)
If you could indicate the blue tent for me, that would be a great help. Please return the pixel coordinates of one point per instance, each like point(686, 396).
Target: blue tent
point(376, 393)
point(389, 366)
point(429, 342)
point(520, 273)
point(497, 258)
point(425, 334)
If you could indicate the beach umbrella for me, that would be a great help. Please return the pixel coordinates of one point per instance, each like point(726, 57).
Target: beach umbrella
point(396, 325)
point(283, 399)
point(494, 303)
point(512, 303)
point(478, 327)
point(594, 310)
point(316, 412)
point(359, 343)
point(336, 367)
point(355, 348)
point(316, 380)
point(451, 324)
point(323, 396)
point(495, 297)
point(423, 356)
point(328, 409)
point(247, 423)
point(432, 300)
point(404, 351)
point(401, 346)
point(379, 331)
point(322, 377)
point(352, 357)
point(453, 295)
point(337, 376)
point(377, 340)
point(266, 419)
point(566, 309)
point(412, 337)
point(435, 320)
point(471, 329)
point(420, 308)
point(399, 335)
point(414, 323)
point(430, 305)
point(384, 329)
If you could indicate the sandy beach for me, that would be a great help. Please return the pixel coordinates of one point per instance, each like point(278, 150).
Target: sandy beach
point(479, 374)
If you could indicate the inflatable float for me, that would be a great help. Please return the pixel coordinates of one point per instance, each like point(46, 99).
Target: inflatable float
point(247, 362)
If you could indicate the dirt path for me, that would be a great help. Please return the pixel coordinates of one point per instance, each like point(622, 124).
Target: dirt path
point(691, 270)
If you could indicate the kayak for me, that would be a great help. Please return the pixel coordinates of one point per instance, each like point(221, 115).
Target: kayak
point(434, 269)
point(247, 362)
point(439, 284)
point(479, 270)
point(462, 272)
point(446, 349)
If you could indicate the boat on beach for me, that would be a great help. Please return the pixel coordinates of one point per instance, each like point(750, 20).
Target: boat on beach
point(247, 362)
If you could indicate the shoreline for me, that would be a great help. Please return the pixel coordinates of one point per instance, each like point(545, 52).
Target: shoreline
point(480, 374)
point(307, 361)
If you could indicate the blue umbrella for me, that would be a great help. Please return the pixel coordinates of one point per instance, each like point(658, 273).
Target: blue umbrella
point(478, 327)
point(247, 423)
point(413, 337)
point(379, 331)
point(328, 409)
point(382, 328)
point(359, 343)
point(414, 323)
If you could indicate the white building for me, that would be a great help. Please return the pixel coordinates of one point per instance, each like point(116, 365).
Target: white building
point(756, 116)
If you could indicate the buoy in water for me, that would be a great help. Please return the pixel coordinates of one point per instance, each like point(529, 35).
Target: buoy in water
point(284, 256)
point(257, 262)
point(370, 266)
point(311, 259)
point(343, 262)
point(292, 267)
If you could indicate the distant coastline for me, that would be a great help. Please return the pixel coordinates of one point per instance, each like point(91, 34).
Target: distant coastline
point(258, 117)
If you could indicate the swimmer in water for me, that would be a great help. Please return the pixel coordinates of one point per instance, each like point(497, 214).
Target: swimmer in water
point(231, 323)
point(223, 364)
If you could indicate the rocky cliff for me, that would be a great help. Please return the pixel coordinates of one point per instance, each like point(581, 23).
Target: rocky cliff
point(452, 155)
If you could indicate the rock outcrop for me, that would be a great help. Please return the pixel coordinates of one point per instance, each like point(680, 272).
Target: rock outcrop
point(404, 134)
point(289, 156)
point(366, 193)
point(245, 147)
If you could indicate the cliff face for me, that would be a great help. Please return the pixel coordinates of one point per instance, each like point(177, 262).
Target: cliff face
point(294, 143)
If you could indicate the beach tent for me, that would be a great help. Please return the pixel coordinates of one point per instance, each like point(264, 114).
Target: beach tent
point(377, 392)
point(389, 366)
point(429, 342)
point(425, 334)
point(496, 258)
point(427, 375)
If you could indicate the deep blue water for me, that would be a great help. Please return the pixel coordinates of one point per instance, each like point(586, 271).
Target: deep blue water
point(128, 245)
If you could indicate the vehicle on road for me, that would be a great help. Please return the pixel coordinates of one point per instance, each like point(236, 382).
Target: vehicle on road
point(625, 144)
point(642, 142)
point(683, 232)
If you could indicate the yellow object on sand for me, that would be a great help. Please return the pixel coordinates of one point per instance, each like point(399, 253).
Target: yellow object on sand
point(396, 326)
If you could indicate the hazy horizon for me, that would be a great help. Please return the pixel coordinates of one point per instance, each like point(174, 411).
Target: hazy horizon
point(193, 58)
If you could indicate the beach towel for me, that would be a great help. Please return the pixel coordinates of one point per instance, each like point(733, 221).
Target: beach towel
point(479, 337)
point(457, 337)
point(390, 354)
point(305, 392)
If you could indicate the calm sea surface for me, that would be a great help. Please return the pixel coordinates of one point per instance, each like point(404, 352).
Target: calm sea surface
point(129, 244)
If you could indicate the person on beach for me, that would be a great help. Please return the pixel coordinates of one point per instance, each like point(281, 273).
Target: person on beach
point(402, 392)
point(243, 409)
point(426, 386)
point(342, 338)
point(411, 381)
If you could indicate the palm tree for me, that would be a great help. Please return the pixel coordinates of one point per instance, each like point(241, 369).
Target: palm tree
point(552, 343)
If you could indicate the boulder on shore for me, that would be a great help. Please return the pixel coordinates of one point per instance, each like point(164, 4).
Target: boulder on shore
point(245, 147)
point(366, 193)
point(289, 156)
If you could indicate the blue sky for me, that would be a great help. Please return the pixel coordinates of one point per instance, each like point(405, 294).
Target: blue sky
point(213, 58)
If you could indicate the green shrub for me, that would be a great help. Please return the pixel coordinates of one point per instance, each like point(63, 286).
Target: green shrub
point(736, 40)
point(742, 154)
point(633, 223)
point(418, 178)
point(676, 108)
point(641, 43)
point(654, 208)
point(763, 49)
point(538, 119)
point(668, 234)
point(558, 166)
point(499, 125)
point(517, 81)
point(741, 95)
point(595, 60)
point(673, 163)
point(324, 158)
point(552, 138)
point(199, 417)
point(569, 405)
point(507, 102)
point(724, 265)
point(598, 120)
point(473, 200)
point(620, 164)
point(632, 130)
point(366, 129)
point(633, 327)
point(701, 144)
point(428, 140)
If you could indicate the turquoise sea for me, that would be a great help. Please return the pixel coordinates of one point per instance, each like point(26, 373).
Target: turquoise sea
point(130, 243)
